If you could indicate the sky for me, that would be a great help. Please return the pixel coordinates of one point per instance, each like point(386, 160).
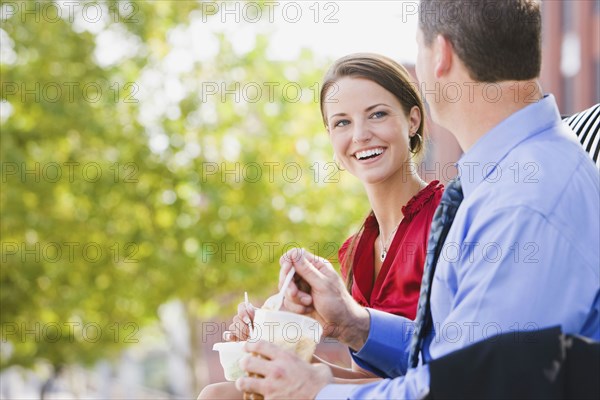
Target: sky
point(330, 29)
point(334, 29)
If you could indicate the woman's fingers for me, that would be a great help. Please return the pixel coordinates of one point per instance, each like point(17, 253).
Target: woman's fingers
point(239, 329)
point(246, 312)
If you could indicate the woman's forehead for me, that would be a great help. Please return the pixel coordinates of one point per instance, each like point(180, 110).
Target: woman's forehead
point(356, 91)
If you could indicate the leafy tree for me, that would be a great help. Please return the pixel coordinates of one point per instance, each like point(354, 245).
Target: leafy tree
point(128, 184)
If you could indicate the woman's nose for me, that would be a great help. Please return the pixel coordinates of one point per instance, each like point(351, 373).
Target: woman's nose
point(361, 133)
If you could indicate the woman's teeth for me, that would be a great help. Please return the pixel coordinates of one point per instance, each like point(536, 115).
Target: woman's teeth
point(361, 155)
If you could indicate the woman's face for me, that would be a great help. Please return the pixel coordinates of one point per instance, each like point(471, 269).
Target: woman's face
point(369, 130)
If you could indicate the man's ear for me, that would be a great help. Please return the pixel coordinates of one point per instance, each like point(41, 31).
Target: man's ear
point(444, 52)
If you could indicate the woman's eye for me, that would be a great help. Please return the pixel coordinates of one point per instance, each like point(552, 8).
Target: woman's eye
point(342, 122)
point(378, 114)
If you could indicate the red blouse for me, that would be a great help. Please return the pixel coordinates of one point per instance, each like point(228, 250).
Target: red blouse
point(396, 289)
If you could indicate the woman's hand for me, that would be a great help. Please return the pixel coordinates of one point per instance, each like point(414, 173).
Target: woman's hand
point(239, 329)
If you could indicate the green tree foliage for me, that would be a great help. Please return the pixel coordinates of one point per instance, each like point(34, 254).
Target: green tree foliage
point(131, 183)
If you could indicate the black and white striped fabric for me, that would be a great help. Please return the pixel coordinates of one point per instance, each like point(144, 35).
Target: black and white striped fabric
point(586, 125)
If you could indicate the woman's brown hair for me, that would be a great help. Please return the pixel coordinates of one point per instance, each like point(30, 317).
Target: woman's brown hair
point(391, 76)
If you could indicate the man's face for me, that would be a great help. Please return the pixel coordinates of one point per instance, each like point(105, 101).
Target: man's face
point(424, 68)
point(421, 49)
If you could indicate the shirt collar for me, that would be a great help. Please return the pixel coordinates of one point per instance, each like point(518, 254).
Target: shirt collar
point(480, 161)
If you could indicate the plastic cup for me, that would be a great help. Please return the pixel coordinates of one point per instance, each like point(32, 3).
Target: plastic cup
point(294, 332)
point(230, 354)
point(291, 331)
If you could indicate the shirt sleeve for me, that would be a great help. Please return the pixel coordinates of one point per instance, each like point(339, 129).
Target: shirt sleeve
point(386, 349)
point(414, 385)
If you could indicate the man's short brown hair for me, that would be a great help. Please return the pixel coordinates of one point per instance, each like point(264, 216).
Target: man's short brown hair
point(497, 40)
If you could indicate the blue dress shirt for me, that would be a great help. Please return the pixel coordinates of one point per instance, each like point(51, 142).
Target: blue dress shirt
point(523, 253)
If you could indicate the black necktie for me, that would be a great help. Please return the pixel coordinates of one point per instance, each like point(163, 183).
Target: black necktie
point(440, 225)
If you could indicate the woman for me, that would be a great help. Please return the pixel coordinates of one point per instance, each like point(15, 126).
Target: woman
point(376, 129)
point(374, 117)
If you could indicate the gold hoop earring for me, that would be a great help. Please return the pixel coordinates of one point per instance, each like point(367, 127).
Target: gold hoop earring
point(417, 147)
point(336, 163)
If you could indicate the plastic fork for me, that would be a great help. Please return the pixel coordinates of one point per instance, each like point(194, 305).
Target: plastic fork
point(276, 301)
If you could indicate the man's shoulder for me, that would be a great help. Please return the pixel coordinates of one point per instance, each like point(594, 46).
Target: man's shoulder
point(546, 173)
point(549, 161)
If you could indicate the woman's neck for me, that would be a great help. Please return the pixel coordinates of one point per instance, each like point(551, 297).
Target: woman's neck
point(388, 198)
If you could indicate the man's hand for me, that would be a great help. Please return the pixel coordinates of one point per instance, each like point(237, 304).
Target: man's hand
point(285, 375)
point(318, 291)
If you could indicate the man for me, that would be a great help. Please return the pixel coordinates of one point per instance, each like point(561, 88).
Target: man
point(523, 250)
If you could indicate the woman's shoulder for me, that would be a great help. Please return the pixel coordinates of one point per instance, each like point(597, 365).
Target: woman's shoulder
point(429, 197)
point(438, 191)
point(369, 224)
point(342, 253)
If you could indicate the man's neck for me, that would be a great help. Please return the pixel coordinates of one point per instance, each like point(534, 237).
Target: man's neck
point(487, 105)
